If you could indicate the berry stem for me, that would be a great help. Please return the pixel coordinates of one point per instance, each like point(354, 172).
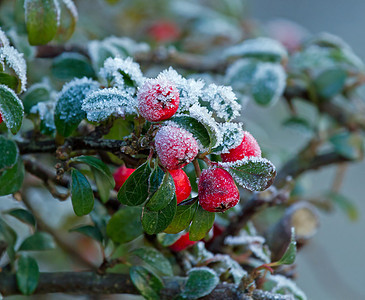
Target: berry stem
point(198, 172)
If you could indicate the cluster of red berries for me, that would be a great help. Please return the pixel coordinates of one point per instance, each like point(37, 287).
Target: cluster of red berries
point(176, 147)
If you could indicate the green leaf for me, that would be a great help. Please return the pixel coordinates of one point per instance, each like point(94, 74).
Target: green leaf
point(168, 239)
point(330, 82)
point(346, 205)
point(69, 65)
point(240, 74)
point(81, 194)
point(38, 242)
point(349, 145)
point(155, 259)
point(253, 174)
point(41, 18)
point(289, 256)
point(202, 222)
point(68, 112)
point(11, 180)
point(154, 222)
point(196, 128)
point(183, 217)
point(125, 225)
point(9, 153)
point(201, 282)
point(23, 215)
point(163, 196)
point(90, 231)
point(146, 282)
point(11, 109)
point(38, 92)
point(68, 20)
point(155, 179)
point(27, 274)
point(268, 83)
point(10, 81)
point(134, 191)
point(8, 235)
point(299, 124)
point(103, 185)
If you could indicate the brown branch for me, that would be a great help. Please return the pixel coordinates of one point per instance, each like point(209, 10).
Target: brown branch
point(113, 283)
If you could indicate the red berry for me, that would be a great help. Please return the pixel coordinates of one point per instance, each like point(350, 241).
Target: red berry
point(182, 243)
point(164, 31)
point(175, 147)
point(158, 100)
point(217, 190)
point(248, 148)
point(1, 118)
point(182, 184)
point(121, 175)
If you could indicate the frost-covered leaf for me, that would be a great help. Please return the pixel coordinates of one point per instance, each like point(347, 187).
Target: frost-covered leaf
point(190, 90)
point(101, 104)
point(201, 282)
point(134, 191)
point(4, 41)
point(154, 222)
point(90, 231)
point(45, 110)
point(11, 180)
point(81, 194)
point(268, 83)
point(11, 58)
point(38, 92)
point(11, 109)
point(38, 242)
point(27, 274)
point(232, 136)
point(68, 19)
point(240, 73)
point(222, 101)
point(254, 174)
point(164, 194)
point(148, 284)
point(23, 215)
point(42, 19)
point(183, 217)
point(9, 153)
point(282, 285)
point(125, 225)
point(68, 113)
point(330, 82)
point(122, 74)
point(69, 65)
point(155, 259)
point(202, 222)
point(262, 48)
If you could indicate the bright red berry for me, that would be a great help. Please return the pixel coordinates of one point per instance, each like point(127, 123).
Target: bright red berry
point(248, 148)
point(217, 190)
point(182, 243)
point(182, 184)
point(158, 100)
point(164, 31)
point(175, 147)
point(1, 118)
point(121, 175)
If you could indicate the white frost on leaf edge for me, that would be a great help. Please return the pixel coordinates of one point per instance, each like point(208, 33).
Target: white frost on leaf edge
point(283, 282)
point(72, 8)
point(8, 119)
point(4, 41)
point(13, 59)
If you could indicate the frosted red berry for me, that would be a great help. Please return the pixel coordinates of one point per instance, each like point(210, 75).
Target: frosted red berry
point(248, 148)
point(182, 243)
point(158, 100)
point(121, 175)
point(182, 184)
point(217, 190)
point(175, 147)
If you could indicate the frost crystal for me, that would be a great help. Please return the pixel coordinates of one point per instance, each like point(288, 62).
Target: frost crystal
point(101, 104)
point(123, 73)
point(11, 57)
point(259, 46)
point(4, 42)
point(223, 101)
point(284, 285)
point(205, 117)
point(232, 136)
point(190, 89)
point(45, 110)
